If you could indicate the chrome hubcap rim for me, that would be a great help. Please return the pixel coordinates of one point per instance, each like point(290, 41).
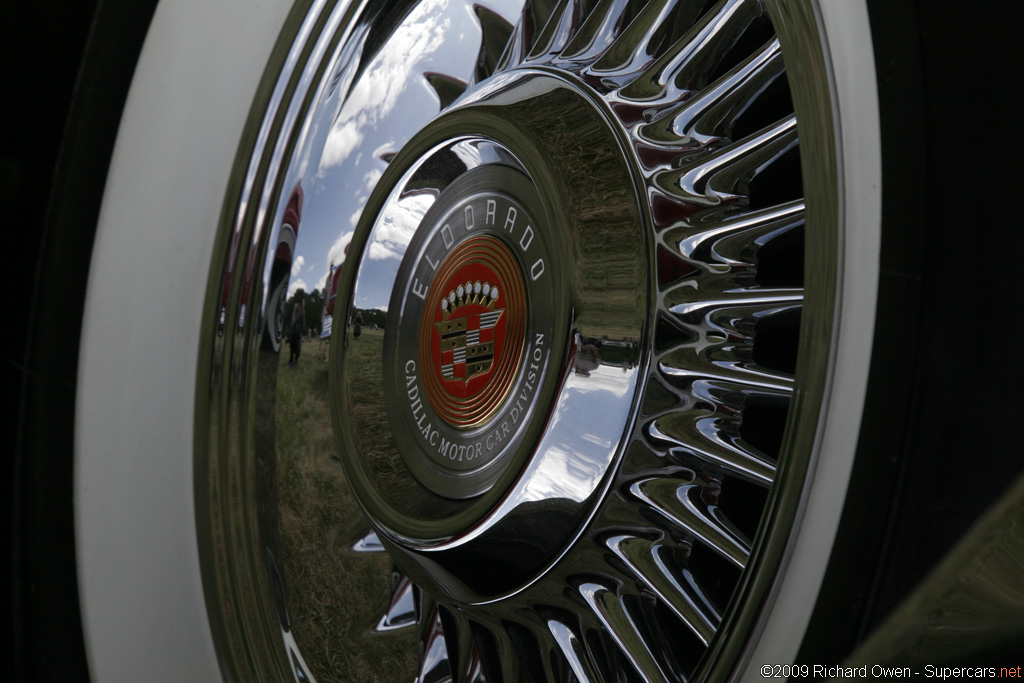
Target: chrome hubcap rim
point(618, 510)
point(463, 369)
point(574, 363)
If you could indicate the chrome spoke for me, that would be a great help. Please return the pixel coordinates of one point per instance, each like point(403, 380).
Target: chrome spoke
point(719, 178)
point(701, 396)
point(684, 599)
point(468, 668)
point(709, 115)
point(448, 89)
point(473, 672)
point(684, 505)
point(495, 32)
point(535, 17)
point(561, 25)
point(726, 396)
point(435, 666)
point(516, 49)
point(623, 628)
point(574, 651)
point(686, 64)
point(735, 240)
point(631, 50)
point(369, 543)
point(731, 397)
point(700, 436)
point(690, 307)
point(508, 657)
point(683, 367)
point(402, 611)
point(597, 31)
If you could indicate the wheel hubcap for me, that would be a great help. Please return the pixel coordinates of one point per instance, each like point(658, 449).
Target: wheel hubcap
point(489, 370)
point(590, 281)
point(473, 312)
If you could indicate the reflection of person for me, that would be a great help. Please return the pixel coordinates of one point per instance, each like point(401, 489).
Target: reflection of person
point(358, 324)
point(295, 336)
point(587, 357)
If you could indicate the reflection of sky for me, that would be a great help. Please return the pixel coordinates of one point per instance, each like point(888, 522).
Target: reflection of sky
point(398, 224)
point(583, 434)
point(296, 283)
point(471, 154)
point(375, 96)
point(388, 242)
point(608, 378)
point(338, 156)
point(579, 444)
point(264, 133)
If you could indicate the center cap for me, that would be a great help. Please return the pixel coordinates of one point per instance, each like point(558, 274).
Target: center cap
point(471, 324)
point(480, 430)
point(472, 330)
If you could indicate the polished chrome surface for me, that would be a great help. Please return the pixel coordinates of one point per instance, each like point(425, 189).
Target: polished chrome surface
point(653, 149)
point(458, 447)
point(554, 461)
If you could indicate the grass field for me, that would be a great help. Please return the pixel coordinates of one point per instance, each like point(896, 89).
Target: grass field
point(334, 596)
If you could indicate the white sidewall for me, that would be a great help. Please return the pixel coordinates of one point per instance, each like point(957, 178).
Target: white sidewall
point(143, 611)
point(848, 36)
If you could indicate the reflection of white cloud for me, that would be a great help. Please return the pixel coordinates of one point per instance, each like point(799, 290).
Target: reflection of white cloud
point(371, 178)
point(369, 182)
point(336, 254)
point(341, 140)
point(377, 92)
point(608, 379)
point(297, 265)
point(468, 153)
point(397, 225)
point(296, 285)
point(378, 252)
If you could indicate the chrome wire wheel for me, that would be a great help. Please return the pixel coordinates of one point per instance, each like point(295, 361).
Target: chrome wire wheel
point(594, 340)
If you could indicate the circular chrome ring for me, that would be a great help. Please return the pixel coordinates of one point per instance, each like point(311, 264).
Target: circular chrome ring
point(645, 479)
point(564, 378)
point(462, 383)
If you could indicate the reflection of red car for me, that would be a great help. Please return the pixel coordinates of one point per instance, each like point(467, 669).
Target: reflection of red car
point(284, 255)
point(329, 296)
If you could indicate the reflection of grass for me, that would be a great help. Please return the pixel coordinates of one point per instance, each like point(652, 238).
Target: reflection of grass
point(333, 596)
point(373, 437)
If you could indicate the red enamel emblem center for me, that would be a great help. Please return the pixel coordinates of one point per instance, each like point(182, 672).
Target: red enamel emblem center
point(472, 331)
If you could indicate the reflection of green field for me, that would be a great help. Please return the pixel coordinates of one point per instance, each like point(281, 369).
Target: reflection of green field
point(373, 439)
point(334, 596)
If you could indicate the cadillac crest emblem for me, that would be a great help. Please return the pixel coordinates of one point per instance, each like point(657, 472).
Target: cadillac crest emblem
point(467, 336)
point(471, 328)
